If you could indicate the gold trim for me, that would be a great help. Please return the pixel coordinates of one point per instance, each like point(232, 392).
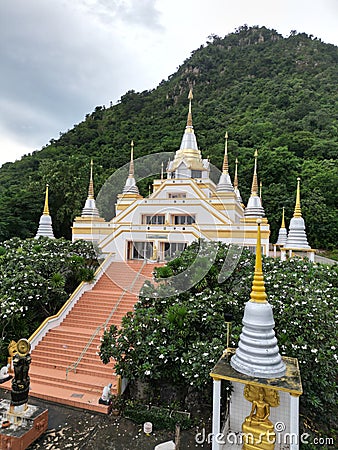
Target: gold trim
point(46, 208)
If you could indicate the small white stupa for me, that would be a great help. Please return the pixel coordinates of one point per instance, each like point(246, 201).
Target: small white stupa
point(224, 183)
point(297, 239)
point(45, 223)
point(257, 354)
point(90, 209)
point(254, 207)
point(282, 234)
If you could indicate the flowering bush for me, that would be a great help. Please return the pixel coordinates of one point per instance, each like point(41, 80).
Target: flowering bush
point(36, 278)
point(179, 338)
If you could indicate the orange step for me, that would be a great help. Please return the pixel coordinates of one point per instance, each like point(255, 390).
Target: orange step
point(62, 346)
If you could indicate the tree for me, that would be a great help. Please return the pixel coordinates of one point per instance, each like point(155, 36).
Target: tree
point(36, 278)
point(179, 338)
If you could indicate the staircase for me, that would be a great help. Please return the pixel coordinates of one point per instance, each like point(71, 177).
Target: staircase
point(61, 371)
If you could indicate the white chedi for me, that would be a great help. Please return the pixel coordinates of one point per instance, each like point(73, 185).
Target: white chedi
point(258, 354)
point(282, 234)
point(297, 238)
point(45, 224)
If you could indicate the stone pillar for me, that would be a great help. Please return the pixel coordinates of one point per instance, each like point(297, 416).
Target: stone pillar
point(294, 422)
point(216, 415)
point(312, 256)
point(274, 250)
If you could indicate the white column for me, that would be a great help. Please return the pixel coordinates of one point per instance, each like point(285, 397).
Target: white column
point(274, 250)
point(312, 256)
point(294, 422)
point(282, 254)
point(216, 415)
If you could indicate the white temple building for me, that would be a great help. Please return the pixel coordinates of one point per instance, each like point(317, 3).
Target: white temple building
point(183, 207)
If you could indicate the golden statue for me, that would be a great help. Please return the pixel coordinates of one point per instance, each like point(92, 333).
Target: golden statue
point(154, 257)
point(257, 428)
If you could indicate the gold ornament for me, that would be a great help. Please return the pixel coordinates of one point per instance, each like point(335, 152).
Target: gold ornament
point(23, 347)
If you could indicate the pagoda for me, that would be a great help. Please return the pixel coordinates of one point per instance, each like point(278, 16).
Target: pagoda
point(297, 239)
point(282, 235)
point(45, 224)
point(265, 386)
point(186, 205)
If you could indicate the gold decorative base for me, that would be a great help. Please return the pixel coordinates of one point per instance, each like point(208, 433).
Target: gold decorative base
point(258, 436)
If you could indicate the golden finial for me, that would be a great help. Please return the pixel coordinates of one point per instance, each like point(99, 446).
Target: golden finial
point(254, 187)
point(283, 220)
point(260, 191)
point(297, 212)
point(162, 171)
point(225, 168)
point(236, 175)
point(46, 208)
point(131, 164)
point(91, 183)
point(189, 120)
point(258, 294)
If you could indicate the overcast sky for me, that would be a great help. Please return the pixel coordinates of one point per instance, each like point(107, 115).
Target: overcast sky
point(59, 59)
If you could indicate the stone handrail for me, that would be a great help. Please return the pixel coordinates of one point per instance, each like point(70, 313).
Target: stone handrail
point(74, 365)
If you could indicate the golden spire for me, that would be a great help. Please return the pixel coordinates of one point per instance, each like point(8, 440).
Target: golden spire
point(283, 220)
point(236, 175)
point(297, 212)
point(131, 164)
point(91, 183)
point(189, 120)
point(254, 187)
point(46, 208)
point(225, 168)
point(162, 171)
point(260, 191)
point(258, 294)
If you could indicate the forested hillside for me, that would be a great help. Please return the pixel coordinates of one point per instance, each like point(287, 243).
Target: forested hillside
point(276, 94)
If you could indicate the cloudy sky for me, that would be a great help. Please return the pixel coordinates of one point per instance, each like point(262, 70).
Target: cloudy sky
point(59, 59)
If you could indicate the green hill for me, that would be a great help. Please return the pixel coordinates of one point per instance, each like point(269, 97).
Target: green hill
point(271, 93)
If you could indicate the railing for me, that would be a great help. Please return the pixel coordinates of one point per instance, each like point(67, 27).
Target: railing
point(74, 365)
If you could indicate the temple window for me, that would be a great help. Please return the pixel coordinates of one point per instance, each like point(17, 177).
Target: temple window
point(155, 219)
point(196, 174)
point(183, 220)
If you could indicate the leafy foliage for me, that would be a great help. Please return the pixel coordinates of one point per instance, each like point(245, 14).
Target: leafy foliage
point(272, 93)
point(179, 338)
point(36, 278)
